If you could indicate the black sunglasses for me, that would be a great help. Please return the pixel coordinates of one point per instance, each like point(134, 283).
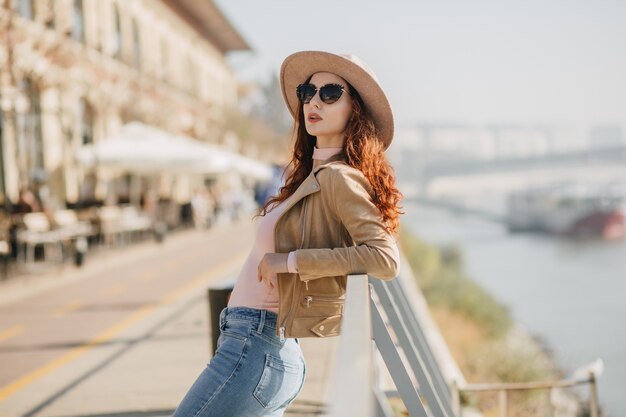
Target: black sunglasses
point(329, 93)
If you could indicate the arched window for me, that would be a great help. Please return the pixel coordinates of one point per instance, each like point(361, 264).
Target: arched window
point(136, 45)
point(117, 34)
point(78, 22)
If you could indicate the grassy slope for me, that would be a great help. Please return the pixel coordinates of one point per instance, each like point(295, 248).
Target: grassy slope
point(479, 331)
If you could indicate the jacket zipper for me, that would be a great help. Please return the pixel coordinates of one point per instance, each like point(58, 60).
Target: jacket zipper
point(282, 328)
point(309, 299)
point(306, 282)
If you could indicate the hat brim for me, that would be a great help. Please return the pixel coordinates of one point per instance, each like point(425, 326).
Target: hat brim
point(296, 68)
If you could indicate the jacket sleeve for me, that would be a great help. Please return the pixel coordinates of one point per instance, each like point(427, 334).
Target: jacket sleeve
point(375, 251)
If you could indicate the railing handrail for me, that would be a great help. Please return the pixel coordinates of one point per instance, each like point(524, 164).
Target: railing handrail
point(503, 389)
point(514, 386)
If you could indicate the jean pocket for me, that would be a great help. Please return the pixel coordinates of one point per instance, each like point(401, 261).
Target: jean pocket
point(234, 330)
point(280, 383)
point(238, 329)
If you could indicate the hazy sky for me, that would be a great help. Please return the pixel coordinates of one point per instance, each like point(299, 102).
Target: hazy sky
point(479, 61)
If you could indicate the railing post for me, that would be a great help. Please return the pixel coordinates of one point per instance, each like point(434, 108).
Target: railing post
point(456, 399)
point(352, 390)
point(503, 400)
point(593, 400)
point(550, 405)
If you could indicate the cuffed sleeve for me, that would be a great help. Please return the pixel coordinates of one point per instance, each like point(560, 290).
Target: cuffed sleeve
point(374, 251)
point(292, 266)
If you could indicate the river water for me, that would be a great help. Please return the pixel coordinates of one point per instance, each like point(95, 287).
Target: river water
point(569, 294)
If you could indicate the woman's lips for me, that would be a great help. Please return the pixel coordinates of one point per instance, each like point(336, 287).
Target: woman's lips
point(313, 118)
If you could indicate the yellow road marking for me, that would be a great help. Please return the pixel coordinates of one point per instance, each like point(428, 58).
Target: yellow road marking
point(68, 309)
point(114, 290)
point(73, 354)
point(11, 332)
point(110, 333)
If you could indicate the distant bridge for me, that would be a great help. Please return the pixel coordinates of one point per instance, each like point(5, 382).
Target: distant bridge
point(428, 171)
point(458, 208)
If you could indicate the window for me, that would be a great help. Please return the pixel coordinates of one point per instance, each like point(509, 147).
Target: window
point(136, 45)
point(49, 14)
point(29, 138)
point(25, 8)
point(3, 196)
point(78, 22)
point(117, 34)
point(86, 122)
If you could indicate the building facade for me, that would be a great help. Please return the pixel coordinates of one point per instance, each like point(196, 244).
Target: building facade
point(72, 72)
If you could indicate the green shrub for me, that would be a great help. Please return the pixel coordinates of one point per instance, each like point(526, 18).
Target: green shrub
point(425, 260)
point(439, 274)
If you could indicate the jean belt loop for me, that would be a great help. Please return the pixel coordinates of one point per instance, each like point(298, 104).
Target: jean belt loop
point(262, 321)
point(222, 318)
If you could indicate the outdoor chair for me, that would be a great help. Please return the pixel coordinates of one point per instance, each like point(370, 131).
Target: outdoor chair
point(74, 232)
point(121, 223)
point(36, 231)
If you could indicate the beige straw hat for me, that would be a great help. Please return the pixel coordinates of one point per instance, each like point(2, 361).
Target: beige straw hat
point(298, 67)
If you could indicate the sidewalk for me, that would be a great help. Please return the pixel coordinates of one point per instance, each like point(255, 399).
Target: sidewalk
point(145, 370)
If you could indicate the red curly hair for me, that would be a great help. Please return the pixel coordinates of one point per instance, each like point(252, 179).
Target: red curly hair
point(362, 150)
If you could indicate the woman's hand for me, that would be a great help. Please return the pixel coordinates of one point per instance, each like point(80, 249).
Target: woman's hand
point(270, 265)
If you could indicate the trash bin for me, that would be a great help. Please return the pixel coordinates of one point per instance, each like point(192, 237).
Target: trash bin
point(217, 296)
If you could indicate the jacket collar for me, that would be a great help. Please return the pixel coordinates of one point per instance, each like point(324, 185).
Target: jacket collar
point(310, 184)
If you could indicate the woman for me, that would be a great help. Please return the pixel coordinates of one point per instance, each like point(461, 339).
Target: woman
point(334, 216)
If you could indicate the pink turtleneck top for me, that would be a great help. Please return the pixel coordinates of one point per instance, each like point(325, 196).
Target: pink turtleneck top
point(248, 291)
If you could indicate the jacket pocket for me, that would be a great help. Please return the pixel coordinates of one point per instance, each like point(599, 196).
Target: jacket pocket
point(330, 326)
point(319, 306)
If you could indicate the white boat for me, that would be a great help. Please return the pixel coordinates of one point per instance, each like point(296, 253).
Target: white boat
point(570, 210)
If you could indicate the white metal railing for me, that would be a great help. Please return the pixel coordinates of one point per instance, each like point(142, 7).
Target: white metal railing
point(373, 308)
point(420, 365)
point(503, 390)
point(353, 388)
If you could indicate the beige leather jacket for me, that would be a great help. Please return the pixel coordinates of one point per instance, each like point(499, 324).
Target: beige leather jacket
point(336, 230)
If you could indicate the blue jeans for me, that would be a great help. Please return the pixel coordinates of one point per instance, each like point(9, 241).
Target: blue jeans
point(252, 373)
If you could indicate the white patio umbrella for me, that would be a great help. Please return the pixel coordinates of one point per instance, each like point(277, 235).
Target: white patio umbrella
point(141, 148)
point(208, 155)
point(252, 168)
